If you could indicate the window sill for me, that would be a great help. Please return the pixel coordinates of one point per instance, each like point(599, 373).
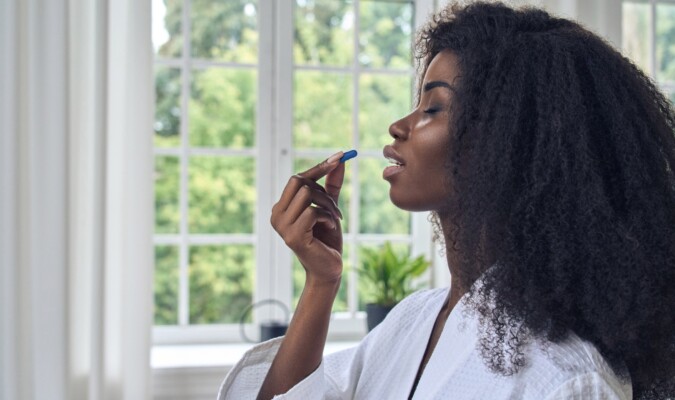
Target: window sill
point(196, 371)
point(343, 328)
point(218, 355)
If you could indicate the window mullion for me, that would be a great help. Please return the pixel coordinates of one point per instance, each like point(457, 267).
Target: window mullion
point(183, 276)
point(352, 289)
point(263, 262)
point(282, 127)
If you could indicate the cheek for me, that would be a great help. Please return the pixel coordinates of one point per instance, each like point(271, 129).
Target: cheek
point(433, 155)
point(425, 186)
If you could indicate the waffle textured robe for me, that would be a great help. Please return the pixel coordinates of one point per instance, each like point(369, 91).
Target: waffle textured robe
point(385, 363)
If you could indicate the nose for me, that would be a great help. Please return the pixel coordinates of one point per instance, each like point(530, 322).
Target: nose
point(399, 130)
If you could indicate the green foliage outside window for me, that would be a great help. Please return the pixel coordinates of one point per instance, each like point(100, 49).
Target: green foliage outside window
point(222, 194)
point(221, 278)
point(222, 108)
point(167, 215)
point(166, 285)
point(221, 114)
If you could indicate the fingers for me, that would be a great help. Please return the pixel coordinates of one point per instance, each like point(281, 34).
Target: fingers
point(295, 235)
point(323, 168)
point(304, 198)
point(308, 219)
point(312, 216)
point(309, 178)
point(292, 187)
point(334, 181)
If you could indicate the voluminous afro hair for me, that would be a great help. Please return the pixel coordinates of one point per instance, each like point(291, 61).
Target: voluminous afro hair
point(561, 159)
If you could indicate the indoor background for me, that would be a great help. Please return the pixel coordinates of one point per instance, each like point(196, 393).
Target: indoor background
point(143, 144)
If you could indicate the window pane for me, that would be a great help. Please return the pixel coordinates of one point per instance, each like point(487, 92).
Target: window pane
point(322, 110)
point(225, 30)
point(665, 42)
point(166, 285)
point(377, 213)
point(222, 108)
point(324, 32)
point(167, 110)
point(167, 213)
point(167, 38)
point(303, 164)
point(386, 29)
point(636, 34)
point(367, 290)
point(222, 194)
point(221, 283)
point(383, 99)
point(341, 302)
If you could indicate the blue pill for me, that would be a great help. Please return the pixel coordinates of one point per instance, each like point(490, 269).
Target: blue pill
point(348, 155)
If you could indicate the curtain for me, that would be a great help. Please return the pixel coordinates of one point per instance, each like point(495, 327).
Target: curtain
point(76, 199)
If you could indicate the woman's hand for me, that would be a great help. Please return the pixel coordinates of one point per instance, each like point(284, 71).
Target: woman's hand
point(308, 219)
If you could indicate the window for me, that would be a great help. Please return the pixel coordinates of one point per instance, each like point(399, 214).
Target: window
point(248, 92)
point(352, 78)
point(649, 40)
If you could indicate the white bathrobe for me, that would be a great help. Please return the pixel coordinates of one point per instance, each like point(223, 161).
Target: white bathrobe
point(385, 363)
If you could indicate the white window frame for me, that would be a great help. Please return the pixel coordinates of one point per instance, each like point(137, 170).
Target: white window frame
point(274, 154)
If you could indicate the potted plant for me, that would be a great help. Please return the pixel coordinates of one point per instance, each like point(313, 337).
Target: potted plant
point(388, 278)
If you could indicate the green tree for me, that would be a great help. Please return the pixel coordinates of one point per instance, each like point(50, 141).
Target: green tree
point(221, 190)
point(386, 29)
point(323, 34)
point(221, 279)
point(167, 215)
point(166, 285)
point(167, 107)
point(224, 30)
point(221, 113)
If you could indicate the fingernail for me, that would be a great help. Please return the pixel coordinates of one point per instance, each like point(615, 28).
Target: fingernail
point(334, 158)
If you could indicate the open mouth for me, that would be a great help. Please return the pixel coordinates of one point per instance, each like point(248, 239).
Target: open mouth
point(392, 156)
point(396, 161)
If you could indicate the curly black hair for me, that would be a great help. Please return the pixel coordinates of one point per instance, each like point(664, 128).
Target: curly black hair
point(561, 158)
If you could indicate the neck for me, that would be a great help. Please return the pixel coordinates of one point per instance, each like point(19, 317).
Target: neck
point(452, 255)
point(457, 287)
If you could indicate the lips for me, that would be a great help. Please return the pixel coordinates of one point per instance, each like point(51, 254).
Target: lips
point(394, 158)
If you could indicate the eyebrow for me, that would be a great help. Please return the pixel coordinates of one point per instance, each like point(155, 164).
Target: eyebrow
point(435, 84)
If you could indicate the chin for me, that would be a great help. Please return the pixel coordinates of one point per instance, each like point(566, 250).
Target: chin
point(409, 202)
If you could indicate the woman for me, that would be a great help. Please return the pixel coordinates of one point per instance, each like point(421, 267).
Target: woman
point(547, 160)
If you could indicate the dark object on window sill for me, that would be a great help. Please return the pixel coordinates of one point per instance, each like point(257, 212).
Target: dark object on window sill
point(268, 329)
point(376, 314)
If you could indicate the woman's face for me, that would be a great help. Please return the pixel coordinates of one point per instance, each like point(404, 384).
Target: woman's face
point(421, 142)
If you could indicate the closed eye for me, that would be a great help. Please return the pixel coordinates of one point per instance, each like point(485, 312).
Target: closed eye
point(432, 110)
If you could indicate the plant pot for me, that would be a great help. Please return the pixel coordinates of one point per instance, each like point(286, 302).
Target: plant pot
point(375, 314)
